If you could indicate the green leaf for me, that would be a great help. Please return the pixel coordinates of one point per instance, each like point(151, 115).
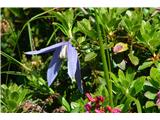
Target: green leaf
point(133, 59)
point(90, 56)
point(14, 95)
point(121, 75)
point(66, 104)
point(137, 85)
point(145, 65)
point(85, 27)
point(122, 78)
point(130, 74)
point(154, 83)
point(149, 104)
point(149, 36)
point(22, 96)
point(121, 106)
point(18, 12)
point(127, 105)
point(74, 105)
point(62, 28)
point(81, 40)
point(155, 77)
point(150, 95)
point(155, 74)
point(11, 105)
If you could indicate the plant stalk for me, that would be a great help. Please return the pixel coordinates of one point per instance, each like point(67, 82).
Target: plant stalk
point(138, 105)
point(30, 36)
point(105, 65)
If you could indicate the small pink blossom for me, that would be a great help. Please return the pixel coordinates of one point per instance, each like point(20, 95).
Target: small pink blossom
point(158, 102)
point(158, 94)
point(88, 107)
point(109, 108)
point(98, 111)
point(100, 98)
point(116, 110)
point(113, 110)
point(90, 98)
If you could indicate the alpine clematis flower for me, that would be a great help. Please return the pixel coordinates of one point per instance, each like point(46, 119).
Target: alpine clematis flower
point(62, 50)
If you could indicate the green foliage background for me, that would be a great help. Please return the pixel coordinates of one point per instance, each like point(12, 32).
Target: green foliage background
point(133, 73)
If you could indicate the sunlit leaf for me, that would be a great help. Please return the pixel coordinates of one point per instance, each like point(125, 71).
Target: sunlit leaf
point(133, 59)
point(150, 95)
point(145, 65)
point(66, 104)
point(90, 56)
point(149, 104)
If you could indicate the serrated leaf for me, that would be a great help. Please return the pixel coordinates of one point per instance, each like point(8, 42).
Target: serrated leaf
point(149, 104)
point(14, 95)
point(11, 104)
point(74, 105)
point(133, 59)
point(85, 27)
point(145, 65)
point(90, 56)
point(137, 85)
point(150, 95)
point(81, 40)
point(155, 77)
point(155, 74)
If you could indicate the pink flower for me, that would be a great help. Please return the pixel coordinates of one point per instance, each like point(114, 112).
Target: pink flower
point(98, 111)
point(90, 98)
point(100, 98)
point(158, 94)
point(158, 99)
point(116, 110)
point(120, 47)
point(109, 108)
point(97, 105)
point(158, 102)
point(158, 9)
point(113, 110)
point(88, 107)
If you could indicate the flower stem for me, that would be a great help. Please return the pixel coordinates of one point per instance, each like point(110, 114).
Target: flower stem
point(138, 105)
point(105, 65)
point(13, 59)
point(30, 36)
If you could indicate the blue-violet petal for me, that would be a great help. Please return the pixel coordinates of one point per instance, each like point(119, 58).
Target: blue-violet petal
point(72, 57)
point(54, 66)
point(78, 77)
point(47, 49)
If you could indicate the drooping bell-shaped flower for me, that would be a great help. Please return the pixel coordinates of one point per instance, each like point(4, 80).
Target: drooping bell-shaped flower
point(62, 50)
